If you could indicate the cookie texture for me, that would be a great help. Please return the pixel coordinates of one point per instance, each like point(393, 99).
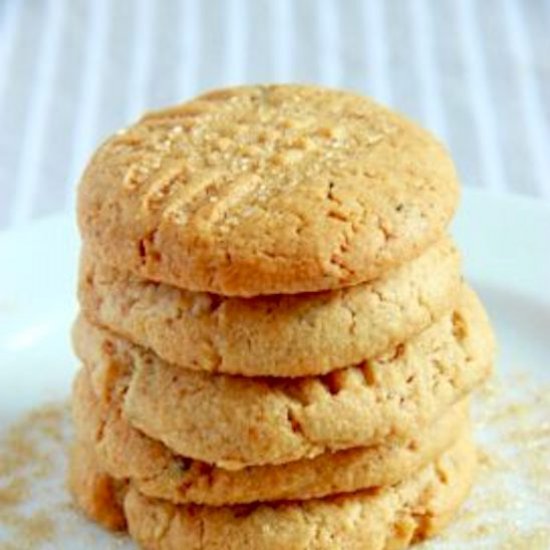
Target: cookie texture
point(267, 190)
point(283, 335)
point(97, 494)
point(387, 517)
point(234, 422)
point(157, 472)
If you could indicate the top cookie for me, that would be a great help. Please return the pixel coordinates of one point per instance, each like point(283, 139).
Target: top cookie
point(267, 190)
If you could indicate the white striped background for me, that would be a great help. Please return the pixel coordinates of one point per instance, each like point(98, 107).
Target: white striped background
point(73, 71)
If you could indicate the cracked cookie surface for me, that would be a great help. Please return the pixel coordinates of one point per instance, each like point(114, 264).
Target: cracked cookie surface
point(378, 519)
point(234, 422)
point(283, 335)
point(267, 190)
point(158, 472)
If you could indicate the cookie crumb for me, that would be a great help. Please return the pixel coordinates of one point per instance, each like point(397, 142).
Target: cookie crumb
point(515, 451)
point(28, 449)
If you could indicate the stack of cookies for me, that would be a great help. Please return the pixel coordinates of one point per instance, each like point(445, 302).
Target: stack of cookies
point(277, 343)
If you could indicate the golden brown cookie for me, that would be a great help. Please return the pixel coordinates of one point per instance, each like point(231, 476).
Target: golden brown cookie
point(157, 472)
point(390, 517)
point(234, 422)
point(377, 519)
point(267, 190)
point(280, 335)
point(93, 491)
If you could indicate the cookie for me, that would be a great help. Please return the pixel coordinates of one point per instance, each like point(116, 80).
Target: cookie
point(157, 472)
point(377, 519)
point(94, 491)
point(298, 335)
point(267, 190)
point(234, 422)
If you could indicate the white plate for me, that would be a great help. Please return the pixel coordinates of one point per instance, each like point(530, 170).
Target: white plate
point(505, 245)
